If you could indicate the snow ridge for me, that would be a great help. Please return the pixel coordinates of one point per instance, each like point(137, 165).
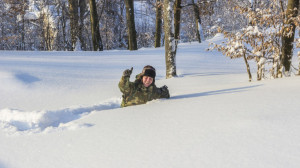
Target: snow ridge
point(13, 120)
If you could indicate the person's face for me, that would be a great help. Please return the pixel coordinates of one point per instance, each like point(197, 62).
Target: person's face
point(147, 81)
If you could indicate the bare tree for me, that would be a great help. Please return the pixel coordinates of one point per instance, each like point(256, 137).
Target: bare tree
point(177, 16)
point(158, 25)
point(73, 10)
point(131, 25)
point(97, 41)
point(288, 35)
point(197, 21)
point(63, 22)
point(82, 15)
point(170, 45)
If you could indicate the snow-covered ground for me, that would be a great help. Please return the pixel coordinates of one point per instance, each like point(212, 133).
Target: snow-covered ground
point(61, 109)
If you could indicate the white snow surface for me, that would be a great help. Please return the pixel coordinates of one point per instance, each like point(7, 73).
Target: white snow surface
point(61, 109)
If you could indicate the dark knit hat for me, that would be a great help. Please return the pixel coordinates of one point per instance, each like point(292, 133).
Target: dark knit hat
point(149, 71)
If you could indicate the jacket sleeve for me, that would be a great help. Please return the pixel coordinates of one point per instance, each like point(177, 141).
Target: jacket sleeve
point(162, 92)
point(125, 85)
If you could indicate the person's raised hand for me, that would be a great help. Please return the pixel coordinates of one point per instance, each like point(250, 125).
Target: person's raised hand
point(127, 72)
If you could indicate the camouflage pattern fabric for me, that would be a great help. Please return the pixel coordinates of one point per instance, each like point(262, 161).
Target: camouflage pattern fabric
point(135, 93)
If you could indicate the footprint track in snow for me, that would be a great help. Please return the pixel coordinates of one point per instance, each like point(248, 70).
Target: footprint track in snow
point(13, 120)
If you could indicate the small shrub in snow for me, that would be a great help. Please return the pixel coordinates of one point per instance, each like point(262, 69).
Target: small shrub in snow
point(261, 40)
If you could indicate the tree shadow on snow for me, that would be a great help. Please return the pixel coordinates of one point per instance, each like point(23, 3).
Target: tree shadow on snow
point(27, 78)
point(208, 74)
point(216, 92)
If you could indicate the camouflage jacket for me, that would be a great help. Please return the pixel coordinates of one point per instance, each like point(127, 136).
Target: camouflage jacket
point(135, 93)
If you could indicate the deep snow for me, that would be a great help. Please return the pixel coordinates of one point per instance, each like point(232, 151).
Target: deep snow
point(61, 109)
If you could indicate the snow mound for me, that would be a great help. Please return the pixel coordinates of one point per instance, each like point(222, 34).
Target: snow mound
point(218, 37)
point(13, 120)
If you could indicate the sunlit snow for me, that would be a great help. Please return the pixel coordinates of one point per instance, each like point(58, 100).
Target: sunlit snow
point(62, 109)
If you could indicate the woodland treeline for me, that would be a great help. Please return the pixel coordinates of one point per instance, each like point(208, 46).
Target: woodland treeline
point(66, 25)
point(259, 30)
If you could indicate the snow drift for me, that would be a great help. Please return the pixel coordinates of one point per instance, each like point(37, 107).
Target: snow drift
point(61, 109)
point(37, 121)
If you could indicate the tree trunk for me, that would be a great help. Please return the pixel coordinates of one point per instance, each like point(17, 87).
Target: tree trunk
point(63, 25)
point(248, 67)
point(73, 9)
point(197, 21)
point(158, 23)
point(177, 15)
point(170, 54)
point(96, 38)
point(287, 41)
point(23, 33)
point(260, 72)
point(131, 25)
point(82, 7)
point(299, 66)
point(120, 27)
point(2, 34)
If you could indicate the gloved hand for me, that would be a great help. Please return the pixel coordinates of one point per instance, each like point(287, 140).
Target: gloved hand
point(127, 72)
point(165, 92)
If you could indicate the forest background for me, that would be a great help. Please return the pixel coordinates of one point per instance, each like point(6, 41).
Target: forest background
point(262, 31)
point(45, 25)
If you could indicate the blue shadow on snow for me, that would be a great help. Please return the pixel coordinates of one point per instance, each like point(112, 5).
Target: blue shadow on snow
point(26, 78)
point(2, 165)
point(216, 92)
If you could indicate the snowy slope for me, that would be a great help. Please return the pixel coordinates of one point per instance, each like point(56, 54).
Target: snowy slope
point(61, 109)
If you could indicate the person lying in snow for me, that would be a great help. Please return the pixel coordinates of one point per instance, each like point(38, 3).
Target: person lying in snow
point(143, 89)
